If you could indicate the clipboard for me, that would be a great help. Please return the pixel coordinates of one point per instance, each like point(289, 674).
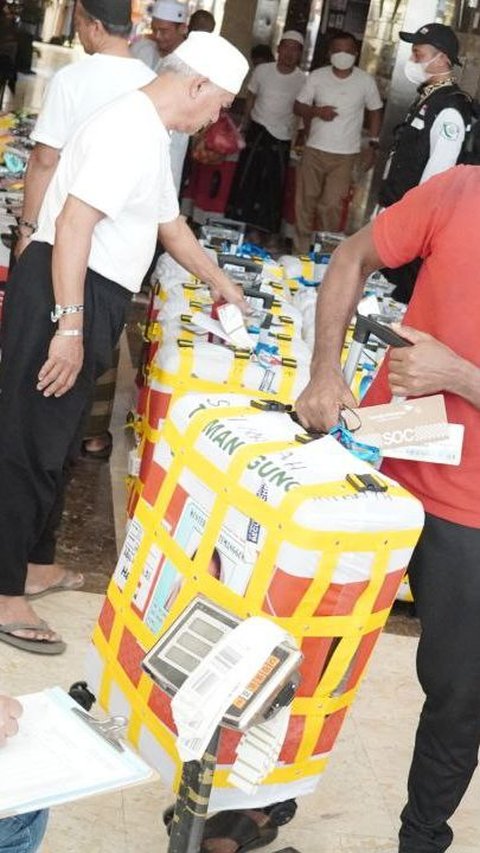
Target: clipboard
point(62, 754)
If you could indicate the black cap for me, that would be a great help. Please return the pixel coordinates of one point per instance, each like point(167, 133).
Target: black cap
point(439, 36)
point(115, 12)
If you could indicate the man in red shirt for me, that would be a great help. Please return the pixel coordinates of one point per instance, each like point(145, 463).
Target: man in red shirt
point(437, 221)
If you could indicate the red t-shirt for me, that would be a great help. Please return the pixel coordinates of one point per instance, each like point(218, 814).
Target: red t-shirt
point(439, 221)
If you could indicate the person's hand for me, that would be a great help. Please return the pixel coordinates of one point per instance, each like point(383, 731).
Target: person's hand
point(20, 245)
point(421, 369)
point(300, 139)
point(319, 404)
point(225, 288)
point(326, 113)
point(10, 711)
point(64, 362)
point(367, 158)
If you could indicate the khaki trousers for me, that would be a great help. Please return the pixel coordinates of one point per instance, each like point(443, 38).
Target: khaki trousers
point(322, 182)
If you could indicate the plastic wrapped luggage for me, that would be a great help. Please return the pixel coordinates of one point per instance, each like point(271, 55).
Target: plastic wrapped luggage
point(236, 507)
point(181, 357)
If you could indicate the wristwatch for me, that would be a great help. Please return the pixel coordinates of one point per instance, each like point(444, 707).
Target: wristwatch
point(374, 142)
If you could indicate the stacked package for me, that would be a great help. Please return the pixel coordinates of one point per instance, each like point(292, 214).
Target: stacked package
point(183, 354)
point(237, 507)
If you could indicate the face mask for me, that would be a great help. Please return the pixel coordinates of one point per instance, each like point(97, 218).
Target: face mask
point(342, 60)
point(416, 71)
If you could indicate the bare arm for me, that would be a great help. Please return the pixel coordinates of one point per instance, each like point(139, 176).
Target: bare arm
point(41, 165)
point(179, 241)
point(310, 111)
point(319, 404)
point(73, 238)
point(374, 122)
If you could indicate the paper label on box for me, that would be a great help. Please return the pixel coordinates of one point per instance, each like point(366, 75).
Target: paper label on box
point(447, 451)
point(402, 423)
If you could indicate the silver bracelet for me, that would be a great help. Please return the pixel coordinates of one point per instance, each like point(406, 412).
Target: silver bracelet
point(70, 333)
point(64, 310)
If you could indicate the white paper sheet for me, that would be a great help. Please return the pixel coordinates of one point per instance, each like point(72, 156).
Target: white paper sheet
point(56, 757)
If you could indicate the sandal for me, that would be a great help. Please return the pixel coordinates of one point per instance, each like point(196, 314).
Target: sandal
point(70, 582)
point(239, 827)
point(41, 647)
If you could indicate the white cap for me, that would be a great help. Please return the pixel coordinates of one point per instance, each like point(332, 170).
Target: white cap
point(292, 35)
point(214, 57)
point(170, 10)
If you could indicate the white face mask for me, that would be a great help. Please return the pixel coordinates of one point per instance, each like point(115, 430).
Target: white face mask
point(342, 60)
point(416, 71)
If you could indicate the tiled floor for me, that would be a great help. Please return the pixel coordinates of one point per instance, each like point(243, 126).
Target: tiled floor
point(356, 805)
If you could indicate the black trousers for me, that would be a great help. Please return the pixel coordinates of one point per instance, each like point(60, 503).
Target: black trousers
point(445, 577)
point(256, 196)
point(37, 433)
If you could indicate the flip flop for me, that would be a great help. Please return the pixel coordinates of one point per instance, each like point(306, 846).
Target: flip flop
point(239, 827)
point(69, 583)
point(40, 647)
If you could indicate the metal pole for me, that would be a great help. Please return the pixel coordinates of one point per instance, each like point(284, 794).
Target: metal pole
point(191, 808)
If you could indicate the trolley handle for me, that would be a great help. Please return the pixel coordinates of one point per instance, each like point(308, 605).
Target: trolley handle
point(244, 264)
point(366, 326)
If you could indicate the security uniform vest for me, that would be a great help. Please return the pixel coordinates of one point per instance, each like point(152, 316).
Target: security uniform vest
point(411, 148)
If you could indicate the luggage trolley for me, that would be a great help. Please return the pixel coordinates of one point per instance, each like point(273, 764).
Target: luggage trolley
point(202, 625)
point(205, 623)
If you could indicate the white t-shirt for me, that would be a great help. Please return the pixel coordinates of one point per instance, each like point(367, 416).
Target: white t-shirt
point(350, 96)
point(118, 163)
point(78, 90)
point(275, 94)
point(147, 51)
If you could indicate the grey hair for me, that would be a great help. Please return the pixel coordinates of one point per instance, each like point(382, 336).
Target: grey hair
point(175, 65)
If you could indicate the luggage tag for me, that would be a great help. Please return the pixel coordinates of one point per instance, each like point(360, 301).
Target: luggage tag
point(402, 423)
point(233, 324)
point(228, 331)
point(222, 676)
point(447, 451)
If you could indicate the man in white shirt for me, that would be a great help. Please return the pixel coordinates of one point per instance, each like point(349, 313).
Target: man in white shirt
point(65, 307)
point(257, 190)
point(334, 100)
point(168, 31)
point(171, 31)
point(73, 95)
point(76, 91)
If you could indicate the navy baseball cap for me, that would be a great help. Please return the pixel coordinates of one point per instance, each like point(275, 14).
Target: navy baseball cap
point(439, 36)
